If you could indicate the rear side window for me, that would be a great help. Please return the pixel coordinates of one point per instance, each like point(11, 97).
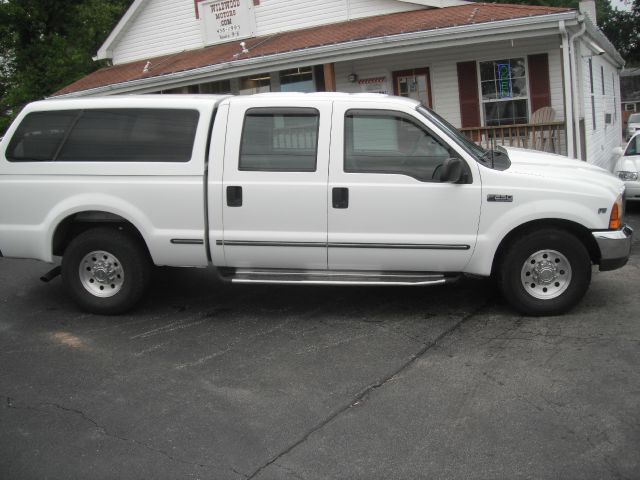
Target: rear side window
point(279, 140)
point(40, 136)
point(108, 135)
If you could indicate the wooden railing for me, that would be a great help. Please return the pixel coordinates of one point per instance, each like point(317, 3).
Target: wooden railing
point(304, 136)
point(547, 137)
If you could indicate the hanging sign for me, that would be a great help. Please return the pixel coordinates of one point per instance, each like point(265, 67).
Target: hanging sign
point(373, 85)
point(504, 80)
point(226, 20)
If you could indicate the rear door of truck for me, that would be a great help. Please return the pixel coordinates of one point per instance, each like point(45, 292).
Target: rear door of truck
point(271, 196)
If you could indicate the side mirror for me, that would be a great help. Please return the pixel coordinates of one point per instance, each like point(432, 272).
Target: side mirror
point(617, 152)
point(452, 171)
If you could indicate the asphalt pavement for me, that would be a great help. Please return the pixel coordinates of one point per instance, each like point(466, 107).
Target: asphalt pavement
point(207, 380)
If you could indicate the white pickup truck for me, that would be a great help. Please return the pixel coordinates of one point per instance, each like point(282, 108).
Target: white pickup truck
point(296, 188)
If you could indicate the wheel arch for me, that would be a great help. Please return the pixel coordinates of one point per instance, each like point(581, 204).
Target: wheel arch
point(579, 231)
point(78, 222)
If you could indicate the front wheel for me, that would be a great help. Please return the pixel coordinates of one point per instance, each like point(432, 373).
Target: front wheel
point(545, 272)
point(105, 270)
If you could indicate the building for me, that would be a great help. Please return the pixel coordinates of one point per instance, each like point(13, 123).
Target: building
point(533, 76)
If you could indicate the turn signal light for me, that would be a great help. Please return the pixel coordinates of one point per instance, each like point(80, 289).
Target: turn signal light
point(614, 219)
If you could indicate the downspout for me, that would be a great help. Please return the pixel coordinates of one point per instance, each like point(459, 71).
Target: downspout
point(568, 100)
point(574, 83)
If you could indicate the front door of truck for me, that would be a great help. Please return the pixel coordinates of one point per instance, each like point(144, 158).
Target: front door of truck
point(274, 188)
point(388, 210)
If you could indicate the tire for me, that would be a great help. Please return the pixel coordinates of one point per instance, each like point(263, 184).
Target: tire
point(545, 272)
point(106, 271)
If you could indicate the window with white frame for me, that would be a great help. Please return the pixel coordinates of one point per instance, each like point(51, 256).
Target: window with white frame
point(503, 84)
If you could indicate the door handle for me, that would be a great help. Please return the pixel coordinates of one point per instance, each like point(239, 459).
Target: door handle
point(234, 196)
point(340, 197)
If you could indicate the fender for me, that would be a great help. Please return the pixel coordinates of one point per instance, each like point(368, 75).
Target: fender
point(94, 202)
point(497, 224)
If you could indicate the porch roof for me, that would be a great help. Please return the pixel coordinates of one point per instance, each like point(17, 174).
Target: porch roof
point(263, 49)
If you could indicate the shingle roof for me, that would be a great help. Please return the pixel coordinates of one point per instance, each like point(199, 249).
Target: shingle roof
point(366, 28)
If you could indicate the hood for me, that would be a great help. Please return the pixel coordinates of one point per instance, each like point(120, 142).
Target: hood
point(628, 163)
point(549, 167)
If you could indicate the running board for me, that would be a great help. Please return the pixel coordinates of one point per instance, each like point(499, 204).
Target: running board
point(326, 277)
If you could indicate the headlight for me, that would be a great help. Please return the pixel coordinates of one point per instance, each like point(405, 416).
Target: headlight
point(628, 176)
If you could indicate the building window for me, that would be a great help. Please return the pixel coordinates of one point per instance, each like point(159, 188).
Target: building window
point(593, 100)
point(255, 84)
point(297, 80)
point(223, 86)
point(503, 84)
point(615, 98)
point(218, 88)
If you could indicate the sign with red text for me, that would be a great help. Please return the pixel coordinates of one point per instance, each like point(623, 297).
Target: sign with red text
point(226, 20)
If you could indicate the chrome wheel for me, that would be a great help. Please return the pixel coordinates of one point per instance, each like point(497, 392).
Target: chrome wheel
point(101, 274)
point(546, 274)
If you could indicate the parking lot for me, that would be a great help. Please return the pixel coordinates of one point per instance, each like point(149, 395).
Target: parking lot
point(213, 381)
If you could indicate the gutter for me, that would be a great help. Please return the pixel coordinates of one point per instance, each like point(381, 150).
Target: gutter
point(574, 84)
point(604, 42)
point(568, 100)
point(430, 39)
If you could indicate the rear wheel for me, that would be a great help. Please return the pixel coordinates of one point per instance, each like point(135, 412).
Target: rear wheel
point(545, 272)
point(106, 271)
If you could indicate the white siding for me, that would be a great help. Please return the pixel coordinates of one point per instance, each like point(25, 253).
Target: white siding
point(605, 136)
point(363, 8)
point(443, 70)
point(169, 26)
point(161, 27)
point(281, 15)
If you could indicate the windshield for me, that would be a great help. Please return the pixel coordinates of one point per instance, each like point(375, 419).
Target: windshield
point(634, 146)
point(473, 149)
point(635, 118)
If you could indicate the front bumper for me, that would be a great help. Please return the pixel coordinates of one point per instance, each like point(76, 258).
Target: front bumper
point(615, 247)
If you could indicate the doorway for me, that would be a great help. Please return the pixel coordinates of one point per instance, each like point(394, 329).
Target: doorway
point(414, 83)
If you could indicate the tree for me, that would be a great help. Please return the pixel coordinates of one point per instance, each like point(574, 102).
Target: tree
point(622, 28)
point(47, 44)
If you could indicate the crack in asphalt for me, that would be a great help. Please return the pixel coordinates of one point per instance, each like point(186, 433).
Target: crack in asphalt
point(102, 429)
point(363, 394)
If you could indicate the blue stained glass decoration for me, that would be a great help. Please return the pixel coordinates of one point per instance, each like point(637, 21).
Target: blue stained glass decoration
point(505, 88)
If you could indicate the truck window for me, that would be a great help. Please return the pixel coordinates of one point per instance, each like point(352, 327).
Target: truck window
point(40, 135)
point(279, 140)
point(105, 135)
point(380, 141)
point(634, 146)
point(132, 135)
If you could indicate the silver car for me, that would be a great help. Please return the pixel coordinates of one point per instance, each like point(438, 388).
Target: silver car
point(628, 167)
